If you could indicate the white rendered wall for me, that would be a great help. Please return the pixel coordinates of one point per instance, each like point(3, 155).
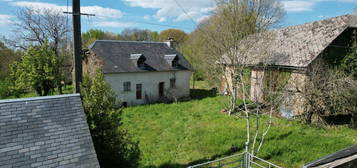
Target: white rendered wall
point(150, 85)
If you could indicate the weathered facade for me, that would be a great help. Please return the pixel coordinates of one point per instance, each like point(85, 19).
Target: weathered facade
point(140, 72)
point(297, 50)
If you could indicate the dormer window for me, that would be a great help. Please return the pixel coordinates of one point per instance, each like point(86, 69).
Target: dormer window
point(141, 63)
point(172, 59)
point(138, 59)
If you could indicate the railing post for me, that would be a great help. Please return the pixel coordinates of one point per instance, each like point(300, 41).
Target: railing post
point(247, 160)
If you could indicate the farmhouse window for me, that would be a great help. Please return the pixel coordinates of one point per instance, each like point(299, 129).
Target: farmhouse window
point(172, 82)
point(127, 86)
point(138, 91)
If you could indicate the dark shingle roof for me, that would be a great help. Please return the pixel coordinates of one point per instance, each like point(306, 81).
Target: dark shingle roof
point(45, 132)
point(116, 56)
point(350, 151)
point(297, 46)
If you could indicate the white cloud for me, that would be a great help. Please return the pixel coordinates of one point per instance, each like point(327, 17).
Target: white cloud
point(147, 17)
point(351, 1)
point(298, 6)
point(307, 5)
point(99, 11)
point(113, 24)
point(169, 9)
point(5, 19)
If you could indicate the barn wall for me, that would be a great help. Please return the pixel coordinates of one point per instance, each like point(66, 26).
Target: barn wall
point(150, 88)
point(256, 86)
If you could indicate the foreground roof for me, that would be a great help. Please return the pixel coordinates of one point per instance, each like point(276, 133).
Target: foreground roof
point(116, 56)
point(45, 132)
point(348, 152)
point(298, 46)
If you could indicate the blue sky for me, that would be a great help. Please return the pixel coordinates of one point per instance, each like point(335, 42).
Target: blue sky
point(158, 15)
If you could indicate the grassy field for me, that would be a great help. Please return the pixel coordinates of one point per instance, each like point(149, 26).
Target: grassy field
point(177, 135)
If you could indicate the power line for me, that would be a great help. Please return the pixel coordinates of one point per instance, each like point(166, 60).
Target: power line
point(186, 13)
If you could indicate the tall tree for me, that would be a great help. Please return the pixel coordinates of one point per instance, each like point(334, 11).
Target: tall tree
point(231, 35)
point(37, 70)
point(37, 26)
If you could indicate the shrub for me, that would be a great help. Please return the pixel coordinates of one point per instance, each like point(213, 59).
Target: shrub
point(4, 89)
point(112, 143)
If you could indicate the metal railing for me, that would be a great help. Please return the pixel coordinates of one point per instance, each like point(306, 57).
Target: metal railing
point(225, 162)
point(241, 160)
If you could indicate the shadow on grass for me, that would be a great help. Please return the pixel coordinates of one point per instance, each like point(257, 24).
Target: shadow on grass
point(231, 151)
point(198, 94)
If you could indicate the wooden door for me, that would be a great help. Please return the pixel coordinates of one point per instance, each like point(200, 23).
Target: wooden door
point(161, 89)
point(138, 91)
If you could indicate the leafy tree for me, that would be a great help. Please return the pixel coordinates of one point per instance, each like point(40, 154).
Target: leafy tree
point(38, 26)
point(95, 34)
point(7, 56)
point(113, 145)
point(178, 35)
point(349, 63)
point(38, 69)
point(193, 49)
point(137, 35)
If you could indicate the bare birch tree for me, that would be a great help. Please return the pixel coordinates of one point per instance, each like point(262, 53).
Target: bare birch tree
point(233, 37)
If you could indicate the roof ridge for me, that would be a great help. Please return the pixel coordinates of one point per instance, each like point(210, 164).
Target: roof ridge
point(312, 22)
point(119, 41)
point(38, 98)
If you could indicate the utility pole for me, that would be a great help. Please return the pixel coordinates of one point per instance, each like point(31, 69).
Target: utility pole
point(77, 43)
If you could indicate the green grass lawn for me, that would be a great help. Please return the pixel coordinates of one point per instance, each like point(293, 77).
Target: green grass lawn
point(177, 135)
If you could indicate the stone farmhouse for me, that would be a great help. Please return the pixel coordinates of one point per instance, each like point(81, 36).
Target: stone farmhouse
point(46, 132)
point(297, 50)
point(140, 72)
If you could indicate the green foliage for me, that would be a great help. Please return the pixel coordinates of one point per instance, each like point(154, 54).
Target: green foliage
point(178, 135)
point(349, 63)
point(178, 35)
point(37, 70)
point(4, 89)
point(7, 56)
point(138, 35)
point(330, 92)
point(95, 34)
point(193, 50)
point(112, 143)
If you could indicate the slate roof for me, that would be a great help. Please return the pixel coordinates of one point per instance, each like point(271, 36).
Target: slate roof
point(298, 46)
point(350, 151)
point(45, 132)
point(116, 56)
